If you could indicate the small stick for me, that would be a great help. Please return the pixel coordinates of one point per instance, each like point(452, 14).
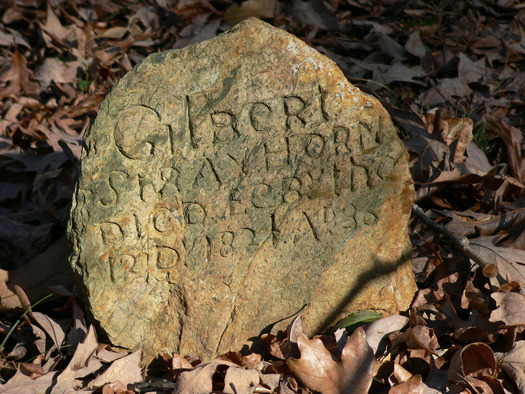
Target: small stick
point(162, 385)
point(460, 243)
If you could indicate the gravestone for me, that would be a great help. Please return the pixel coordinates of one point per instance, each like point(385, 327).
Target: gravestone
point(232, 184)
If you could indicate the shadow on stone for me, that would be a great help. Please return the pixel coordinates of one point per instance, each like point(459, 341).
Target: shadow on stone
point(378, 269)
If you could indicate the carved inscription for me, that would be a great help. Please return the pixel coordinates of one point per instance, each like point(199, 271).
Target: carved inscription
point(280, 169)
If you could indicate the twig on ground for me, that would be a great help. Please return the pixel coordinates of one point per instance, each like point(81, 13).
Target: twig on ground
point(158, 385)
point(460, 243)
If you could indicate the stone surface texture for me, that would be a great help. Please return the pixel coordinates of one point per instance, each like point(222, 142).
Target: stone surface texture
point(231, 184)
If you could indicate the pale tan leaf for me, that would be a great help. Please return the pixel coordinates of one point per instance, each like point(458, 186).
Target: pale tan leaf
point(511, 308)
point(469, 71)
point(452, 130)
point(199, 379)
point(179, 362)
point(317, 369)
point(85, 351)
point(239, 380)
point(21, 383)
point(55, 70)
point(271, 381)
point(125, 370)
point(53, 26)
point(116, 32)
point(52, 328)
point(510, 262)
point(379, 329)
point(109, 356)
point(357, 364)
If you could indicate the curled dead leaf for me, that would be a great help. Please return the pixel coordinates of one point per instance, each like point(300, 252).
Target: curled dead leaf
point(474, 360)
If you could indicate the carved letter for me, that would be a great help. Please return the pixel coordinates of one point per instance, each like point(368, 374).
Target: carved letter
point(111, 232)
point(132, 123)
point(259, 115)
point(262, 196)
point(315, 146)
point(293, 107)
point(163, 220)
point(167, 257)
point(277, 153)
point(207, 174)
point(226, 125)
point(107, 200)
point(227, 237)
point(194, 213)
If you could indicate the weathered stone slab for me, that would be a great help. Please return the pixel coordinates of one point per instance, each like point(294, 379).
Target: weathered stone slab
point(226, 185)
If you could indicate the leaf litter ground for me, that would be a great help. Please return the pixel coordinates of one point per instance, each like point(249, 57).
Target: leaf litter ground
point(451, 74)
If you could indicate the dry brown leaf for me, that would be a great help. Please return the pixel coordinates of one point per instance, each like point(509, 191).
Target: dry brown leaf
point(446, 91)
point(251, 361)
point(52, 328)
point(471, 223)
point(484, 384)
point(414, 385)
point(239, 380)
point(263, 9)
point(17, 76)
point(270, 381)
point(510, 262)
point(125, 370)
point(199, 379)
point(21, 383)
point(80, 361)
point(53, 70)
point(513, 362)
point(399, 374)
point(54, 28)
point(469, 71)
point(317, 369)
point(179, 362)
point(452, 130)
point(314, 15)
point(379, 329)
point(511, 309)
point(35, 370)
point(108, 356)
point(475, 358)
point(415, 46)
point(513, 139)
point(116, 32)
point(10, 39)
point(419, 337)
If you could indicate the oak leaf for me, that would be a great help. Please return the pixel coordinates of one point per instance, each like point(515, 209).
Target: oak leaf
point(511, 308)
point(318, 370)
point(513, 363)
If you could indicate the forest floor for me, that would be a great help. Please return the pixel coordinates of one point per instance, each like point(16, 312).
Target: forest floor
point(452, 76)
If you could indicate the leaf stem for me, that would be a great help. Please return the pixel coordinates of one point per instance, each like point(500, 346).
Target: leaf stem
point(29, 309)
